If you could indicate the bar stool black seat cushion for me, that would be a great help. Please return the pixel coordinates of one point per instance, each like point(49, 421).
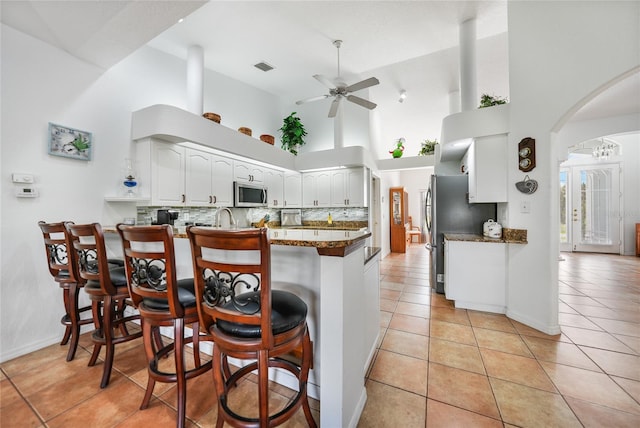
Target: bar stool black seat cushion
point(118, 278)
point(287, 312)
point(186, 297)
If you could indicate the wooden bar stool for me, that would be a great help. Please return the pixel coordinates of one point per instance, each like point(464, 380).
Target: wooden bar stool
point(248, 320)
point(57, 245)
point(162, 300)
point(107, 288)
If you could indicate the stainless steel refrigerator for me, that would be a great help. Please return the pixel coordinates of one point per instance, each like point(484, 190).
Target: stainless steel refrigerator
point(449, 211)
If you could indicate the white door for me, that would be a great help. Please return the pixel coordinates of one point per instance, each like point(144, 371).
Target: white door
point(593, 206)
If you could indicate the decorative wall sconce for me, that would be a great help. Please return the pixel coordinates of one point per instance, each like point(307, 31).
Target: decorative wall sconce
point(527, 154)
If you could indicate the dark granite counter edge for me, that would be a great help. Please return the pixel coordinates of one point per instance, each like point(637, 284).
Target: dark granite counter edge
point(470, 237)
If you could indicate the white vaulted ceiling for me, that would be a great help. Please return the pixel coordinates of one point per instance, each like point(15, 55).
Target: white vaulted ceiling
point(409, 45)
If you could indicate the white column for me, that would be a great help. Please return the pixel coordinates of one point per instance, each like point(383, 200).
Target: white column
point(468, 79)
point(454, 102)
point(195, 79)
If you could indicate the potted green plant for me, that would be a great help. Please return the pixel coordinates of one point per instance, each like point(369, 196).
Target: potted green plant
point(490, 100)
point(399, 149)
point(293, 133)
point(427, 147)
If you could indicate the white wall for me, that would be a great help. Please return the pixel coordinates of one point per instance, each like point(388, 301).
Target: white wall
point(41, 84)
point(559, 53)
point(414, 182)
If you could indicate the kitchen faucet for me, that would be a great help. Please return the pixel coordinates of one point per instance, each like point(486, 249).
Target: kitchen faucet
point(232, 220)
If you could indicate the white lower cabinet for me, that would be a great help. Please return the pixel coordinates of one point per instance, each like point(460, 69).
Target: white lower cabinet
point(475, 275)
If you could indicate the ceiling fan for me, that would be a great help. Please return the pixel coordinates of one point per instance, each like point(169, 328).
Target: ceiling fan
point(339, 89)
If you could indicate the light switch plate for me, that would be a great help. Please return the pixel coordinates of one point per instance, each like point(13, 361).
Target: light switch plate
point(22, 178)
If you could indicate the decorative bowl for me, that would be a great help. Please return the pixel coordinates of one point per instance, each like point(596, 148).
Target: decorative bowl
point(269, 139)
point(245, 131)
point(212, 116)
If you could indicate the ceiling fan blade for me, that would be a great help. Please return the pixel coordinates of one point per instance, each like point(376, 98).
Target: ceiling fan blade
point(362, 102)
point(308, 100)
point(334, 107)
point(372, 81)
point(324, 80)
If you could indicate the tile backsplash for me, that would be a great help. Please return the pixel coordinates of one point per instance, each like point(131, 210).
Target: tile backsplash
point(246, 216)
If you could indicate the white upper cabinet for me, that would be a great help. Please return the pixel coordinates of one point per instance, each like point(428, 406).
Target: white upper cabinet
point(292, 190)
point(209, 179)
point(222, 181)
point(316, 189)
point(486, 164)
point(168, 164)
point(348, 187)
point(175, 175)
point(199, 174)
point(179, 176)
point(274, 181)
point(248, 173)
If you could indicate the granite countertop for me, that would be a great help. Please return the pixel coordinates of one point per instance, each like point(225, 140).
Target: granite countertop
point(331, 242)
point(509, 236)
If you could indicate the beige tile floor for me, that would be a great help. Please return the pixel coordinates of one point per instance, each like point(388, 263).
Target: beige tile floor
point(436, 366)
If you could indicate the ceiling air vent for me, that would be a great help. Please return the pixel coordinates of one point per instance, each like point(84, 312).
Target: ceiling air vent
point(263, 66)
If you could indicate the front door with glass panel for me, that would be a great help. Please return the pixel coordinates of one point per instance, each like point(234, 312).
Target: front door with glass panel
point(590, 203)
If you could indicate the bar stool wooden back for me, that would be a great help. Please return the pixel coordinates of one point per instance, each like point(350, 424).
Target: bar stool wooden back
point(248, 320)
point(106, 286)
point(57, 244)
point(162, 300)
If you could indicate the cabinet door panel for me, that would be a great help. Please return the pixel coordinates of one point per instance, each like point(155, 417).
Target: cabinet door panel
point(222, 181)
point(355, 186)
point(324, 189)
point(293, 190)
point(168, 170)
point(274, 181)
point(198, 178)
point(338, 188)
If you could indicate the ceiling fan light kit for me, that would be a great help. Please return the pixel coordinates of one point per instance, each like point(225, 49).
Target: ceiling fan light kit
point(339, 90)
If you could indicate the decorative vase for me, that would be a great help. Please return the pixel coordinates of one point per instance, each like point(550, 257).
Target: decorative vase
point(129, 181)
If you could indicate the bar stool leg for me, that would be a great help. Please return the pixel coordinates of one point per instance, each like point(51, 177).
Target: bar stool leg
point(73, 291)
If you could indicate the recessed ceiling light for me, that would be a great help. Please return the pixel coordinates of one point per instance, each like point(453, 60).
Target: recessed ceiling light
point(180, 21)
point(263, 66)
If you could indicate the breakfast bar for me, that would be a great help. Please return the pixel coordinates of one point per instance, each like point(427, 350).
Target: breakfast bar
point(337, 275)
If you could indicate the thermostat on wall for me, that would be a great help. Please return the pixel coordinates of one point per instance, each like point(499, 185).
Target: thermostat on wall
point(26, 192)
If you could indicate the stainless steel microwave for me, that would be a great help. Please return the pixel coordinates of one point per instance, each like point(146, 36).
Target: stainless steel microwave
point(249, 195)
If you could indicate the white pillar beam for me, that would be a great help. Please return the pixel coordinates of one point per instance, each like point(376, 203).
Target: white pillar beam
point(195, 79)
point(468, 79)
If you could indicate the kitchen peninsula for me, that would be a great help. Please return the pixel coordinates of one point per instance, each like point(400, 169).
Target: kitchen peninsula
point(337, 275)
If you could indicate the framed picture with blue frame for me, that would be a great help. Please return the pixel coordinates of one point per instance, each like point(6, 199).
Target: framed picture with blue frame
point(69, 142)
